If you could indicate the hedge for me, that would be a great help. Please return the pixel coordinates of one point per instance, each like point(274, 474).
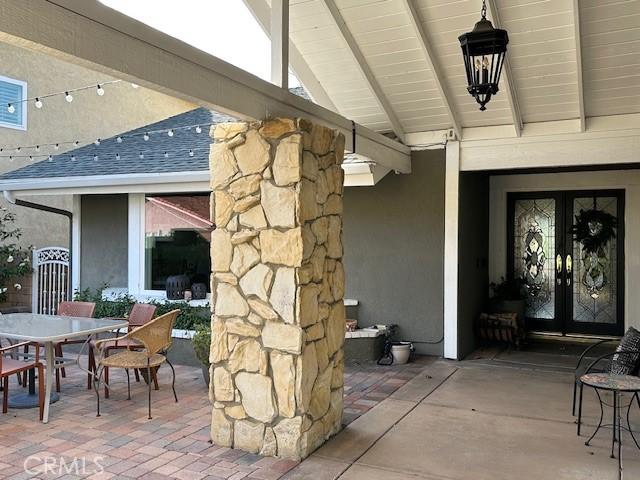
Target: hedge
point(190, 318)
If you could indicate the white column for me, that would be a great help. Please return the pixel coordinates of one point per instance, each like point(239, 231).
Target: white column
point(76, 249)
point(136, 243)
point(280, 43)
point(451, 214)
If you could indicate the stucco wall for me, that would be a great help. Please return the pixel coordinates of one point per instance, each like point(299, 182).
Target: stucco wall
point(394, 248)
point(89, 116)
point(103, 241)
point(629, 180)
point(473, 251)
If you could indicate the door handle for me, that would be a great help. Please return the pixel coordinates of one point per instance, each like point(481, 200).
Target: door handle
point(569, 266)
point(559, 269)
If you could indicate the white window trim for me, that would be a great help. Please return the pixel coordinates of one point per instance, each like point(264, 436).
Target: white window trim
point(23, 84)
point(136, 254)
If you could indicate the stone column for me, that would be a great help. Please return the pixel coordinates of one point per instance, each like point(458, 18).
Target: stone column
point(278, 319)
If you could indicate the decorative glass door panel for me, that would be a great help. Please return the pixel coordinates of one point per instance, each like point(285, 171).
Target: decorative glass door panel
point(567, 250)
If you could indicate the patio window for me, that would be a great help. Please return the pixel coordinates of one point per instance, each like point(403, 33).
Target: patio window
point(13, 111)
point(177, 236)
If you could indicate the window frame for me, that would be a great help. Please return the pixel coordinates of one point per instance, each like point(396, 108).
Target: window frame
point(23, 84)
point(136, 247)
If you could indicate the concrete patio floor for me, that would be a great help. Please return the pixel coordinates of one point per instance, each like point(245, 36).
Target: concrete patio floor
point(475, 420)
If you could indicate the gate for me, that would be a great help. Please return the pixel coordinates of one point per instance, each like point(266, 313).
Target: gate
point(50, 279)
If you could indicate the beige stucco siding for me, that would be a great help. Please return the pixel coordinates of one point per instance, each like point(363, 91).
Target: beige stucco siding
point(88, 117)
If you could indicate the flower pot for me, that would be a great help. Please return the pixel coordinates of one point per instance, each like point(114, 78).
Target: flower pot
point(401, 352)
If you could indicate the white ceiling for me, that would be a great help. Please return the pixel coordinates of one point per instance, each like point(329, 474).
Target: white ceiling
point(542, 52)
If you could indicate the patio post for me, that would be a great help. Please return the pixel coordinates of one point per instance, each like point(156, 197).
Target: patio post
point(278, 318)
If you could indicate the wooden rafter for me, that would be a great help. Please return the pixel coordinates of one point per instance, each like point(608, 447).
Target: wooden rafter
point(576, 25)
point(360, 60)
point(433, 65)
point(506, 74)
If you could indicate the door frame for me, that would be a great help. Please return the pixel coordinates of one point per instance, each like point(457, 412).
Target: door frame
point(563, 323)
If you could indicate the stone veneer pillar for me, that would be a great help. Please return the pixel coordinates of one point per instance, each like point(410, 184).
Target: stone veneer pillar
point(278, 322)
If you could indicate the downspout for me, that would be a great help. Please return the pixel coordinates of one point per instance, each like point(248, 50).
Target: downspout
point(10, 197)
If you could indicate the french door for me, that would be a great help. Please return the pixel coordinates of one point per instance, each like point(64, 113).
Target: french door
point(570, 288)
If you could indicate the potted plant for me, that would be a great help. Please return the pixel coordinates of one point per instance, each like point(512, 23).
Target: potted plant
point(508, 296)
point(202, 344)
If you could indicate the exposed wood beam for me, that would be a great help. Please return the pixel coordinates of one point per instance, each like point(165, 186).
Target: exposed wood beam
point(89, 34)
point(433, 65)
point(280, 43)
point(576, 29)
point(507, 76)
point(262, 13)
point(360, 60)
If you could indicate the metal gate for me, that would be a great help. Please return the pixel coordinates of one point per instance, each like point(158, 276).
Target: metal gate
point(50, 279)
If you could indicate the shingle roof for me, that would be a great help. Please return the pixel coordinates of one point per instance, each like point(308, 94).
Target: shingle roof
point(154, 161)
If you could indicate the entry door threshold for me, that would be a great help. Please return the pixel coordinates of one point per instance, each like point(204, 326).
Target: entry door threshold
point(574, 337)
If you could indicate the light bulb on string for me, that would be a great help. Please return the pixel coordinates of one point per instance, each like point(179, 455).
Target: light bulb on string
point(50, 158)
point(170, 133)
point(31, 158)
point(76, 143)
point(95, 158)
point(73, 158)
point(119, 139)
point(11, 108)
point(166, 154)
point(141, 155)
point(117, 156)
point(198, 129)
point(18, 149)
point(97, 142)
point(190, 153)
point(100, 90)
point(11, 158)
point(37, 148)
point(146, 137)
point(57, 146)
point(68, 97)
point(38, 103)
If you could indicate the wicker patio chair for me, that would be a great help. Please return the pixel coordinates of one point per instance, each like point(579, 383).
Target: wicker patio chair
point(71, 309)
point(10, 366)
point(141, 314)
point(155, 339)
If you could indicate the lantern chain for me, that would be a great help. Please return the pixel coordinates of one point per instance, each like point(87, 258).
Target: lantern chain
point(483, 12)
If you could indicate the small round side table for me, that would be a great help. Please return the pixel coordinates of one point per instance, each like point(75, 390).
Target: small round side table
point(617, 384)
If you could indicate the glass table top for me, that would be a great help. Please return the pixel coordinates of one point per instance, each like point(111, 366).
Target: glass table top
point(48, 328)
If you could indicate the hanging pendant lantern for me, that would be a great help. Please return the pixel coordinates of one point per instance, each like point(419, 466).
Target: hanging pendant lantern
point(483, 49)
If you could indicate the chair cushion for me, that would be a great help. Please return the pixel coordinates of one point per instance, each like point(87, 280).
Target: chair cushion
point(11, 366)
point(132, 359)
point(627, 364)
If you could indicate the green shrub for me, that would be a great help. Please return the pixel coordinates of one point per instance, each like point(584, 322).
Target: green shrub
point(202, 343)
point(15, 261)
point(190, 318)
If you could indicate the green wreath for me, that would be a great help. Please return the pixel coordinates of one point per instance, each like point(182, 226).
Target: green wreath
point(594, 228)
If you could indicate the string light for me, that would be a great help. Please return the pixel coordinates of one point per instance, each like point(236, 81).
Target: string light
point(166, 154)
point(190, 153)
point(100, 91)
point(38, 103)
point(73, 158)
point(95, 158)
point(57, 146)
point(117, 156)
point(146, 137)
point(18, 149)
point(76, 143)
point(68, 97)
point(141, 155)
point(50, 158)
point(97, 142)
point(30, 158)
point(11, 108)
point(37, 148)
point(119, 139)
point(11, 158)
point(170, 132)
point(198, 129)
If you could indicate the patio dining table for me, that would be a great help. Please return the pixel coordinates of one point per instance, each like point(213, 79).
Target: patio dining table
point(50, 329)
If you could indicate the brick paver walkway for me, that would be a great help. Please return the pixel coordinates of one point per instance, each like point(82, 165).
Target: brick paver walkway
point(172, 445)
